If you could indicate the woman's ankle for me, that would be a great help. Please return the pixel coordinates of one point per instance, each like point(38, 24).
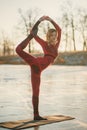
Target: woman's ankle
point(39, 118)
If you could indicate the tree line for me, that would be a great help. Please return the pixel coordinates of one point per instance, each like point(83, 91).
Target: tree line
point(74, 30)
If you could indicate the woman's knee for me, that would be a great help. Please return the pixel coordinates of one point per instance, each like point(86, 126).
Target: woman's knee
point(19, 50)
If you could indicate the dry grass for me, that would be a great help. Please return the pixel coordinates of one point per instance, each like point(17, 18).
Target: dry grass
point(65, 58)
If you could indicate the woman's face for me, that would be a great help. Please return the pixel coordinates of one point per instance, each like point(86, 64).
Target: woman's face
point(53, 37)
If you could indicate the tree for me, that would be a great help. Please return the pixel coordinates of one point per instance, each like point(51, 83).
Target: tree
point(82, 27)
point(73, 31)
point(65, 22)
point(28, 21)
point(69, 25)
point(7, 45)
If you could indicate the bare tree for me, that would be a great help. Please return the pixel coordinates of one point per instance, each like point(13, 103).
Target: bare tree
point(6, 48)
point(82, 27)
point(73, 31)
point(69, 24)
point(28, 21)
point(65, 23)
point(7, 45)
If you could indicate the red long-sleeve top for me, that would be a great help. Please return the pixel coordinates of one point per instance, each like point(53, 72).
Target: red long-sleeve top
point(50, 50)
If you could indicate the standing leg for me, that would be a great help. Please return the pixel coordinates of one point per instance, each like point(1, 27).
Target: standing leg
point(35, 74)
point(35, 79)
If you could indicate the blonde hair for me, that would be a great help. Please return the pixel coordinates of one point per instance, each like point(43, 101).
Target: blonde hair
point(50, 31)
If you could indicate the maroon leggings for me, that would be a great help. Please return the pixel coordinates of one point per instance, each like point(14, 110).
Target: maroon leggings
point(37, 65)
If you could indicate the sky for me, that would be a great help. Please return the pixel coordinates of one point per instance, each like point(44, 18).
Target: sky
point(9, 16)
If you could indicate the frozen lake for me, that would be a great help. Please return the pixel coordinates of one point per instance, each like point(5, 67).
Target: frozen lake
point(63, 91)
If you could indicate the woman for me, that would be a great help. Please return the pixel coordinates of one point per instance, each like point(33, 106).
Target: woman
point(38, 64)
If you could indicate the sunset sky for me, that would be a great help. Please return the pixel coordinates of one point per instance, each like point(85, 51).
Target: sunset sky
point(9, 16)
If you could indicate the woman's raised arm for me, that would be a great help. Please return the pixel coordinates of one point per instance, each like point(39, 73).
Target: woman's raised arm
point(35, 30)
point(57, 28)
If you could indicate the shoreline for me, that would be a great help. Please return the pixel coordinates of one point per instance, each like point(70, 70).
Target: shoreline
point(64, 58)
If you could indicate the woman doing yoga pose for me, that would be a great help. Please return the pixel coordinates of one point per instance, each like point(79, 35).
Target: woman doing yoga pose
point(38, 64)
